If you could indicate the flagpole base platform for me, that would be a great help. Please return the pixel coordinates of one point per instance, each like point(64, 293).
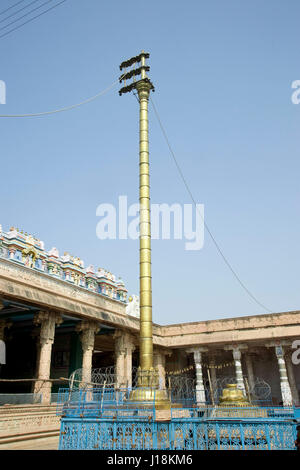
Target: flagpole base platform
point(144, 395)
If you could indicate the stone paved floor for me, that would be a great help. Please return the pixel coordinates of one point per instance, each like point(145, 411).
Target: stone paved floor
point(46, 443)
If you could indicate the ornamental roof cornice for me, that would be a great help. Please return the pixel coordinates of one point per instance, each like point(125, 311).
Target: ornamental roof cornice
point(29, 251)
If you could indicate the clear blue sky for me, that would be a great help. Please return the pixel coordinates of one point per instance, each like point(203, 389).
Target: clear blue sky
point(223, 72)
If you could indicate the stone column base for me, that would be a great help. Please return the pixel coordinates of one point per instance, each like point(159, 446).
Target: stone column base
point(44, 388)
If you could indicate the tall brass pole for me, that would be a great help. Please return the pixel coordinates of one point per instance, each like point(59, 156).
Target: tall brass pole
point(146, 342)
point(147, 379)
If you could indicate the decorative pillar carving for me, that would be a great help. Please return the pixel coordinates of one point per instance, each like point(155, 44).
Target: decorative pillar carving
point(129, 348)
point(284, 383)
point(119, 358)
point(250, 373)
point(124, 346)
point(237, 357)
point(213, 372)
point(87, 330)
point(200, 390)
point(47, 322)
point(160, 364)
point(291, 378)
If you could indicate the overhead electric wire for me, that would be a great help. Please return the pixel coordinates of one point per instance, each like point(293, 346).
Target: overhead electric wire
point(18, 11)
point(26, 14)
point(4, 11)
point(174, 158)
point(66, 108)
point(31, 19)
point(205, 224)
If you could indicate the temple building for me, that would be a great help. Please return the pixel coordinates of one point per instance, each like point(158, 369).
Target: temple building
point(58, 317)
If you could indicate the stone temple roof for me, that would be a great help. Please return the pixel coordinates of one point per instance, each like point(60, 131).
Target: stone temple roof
point(27, 250)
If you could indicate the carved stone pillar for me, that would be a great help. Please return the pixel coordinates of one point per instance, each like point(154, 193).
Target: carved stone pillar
point(291, 378)
point(159, 356)
point(237, 357)
point(119, 358)
point(124, 346)
point(250, 373)
point(47, 321)
point(200, 390)
point(213, 372)
point(87, 330)
point(129, 348)
point(284, 383)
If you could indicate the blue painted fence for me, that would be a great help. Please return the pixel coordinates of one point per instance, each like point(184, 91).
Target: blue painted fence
point(105, 419)
point(101, 434)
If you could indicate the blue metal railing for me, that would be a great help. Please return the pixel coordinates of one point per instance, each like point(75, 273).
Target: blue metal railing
point(297, 412)
point(106, 418)
point(231, 412)
point(181, 435)
point(103, 403)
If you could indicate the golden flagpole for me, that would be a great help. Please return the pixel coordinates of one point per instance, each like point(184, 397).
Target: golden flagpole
point(147, 381)
point(146, 342)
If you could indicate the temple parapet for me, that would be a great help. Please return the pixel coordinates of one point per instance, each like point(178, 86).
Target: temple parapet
point(29, 251)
